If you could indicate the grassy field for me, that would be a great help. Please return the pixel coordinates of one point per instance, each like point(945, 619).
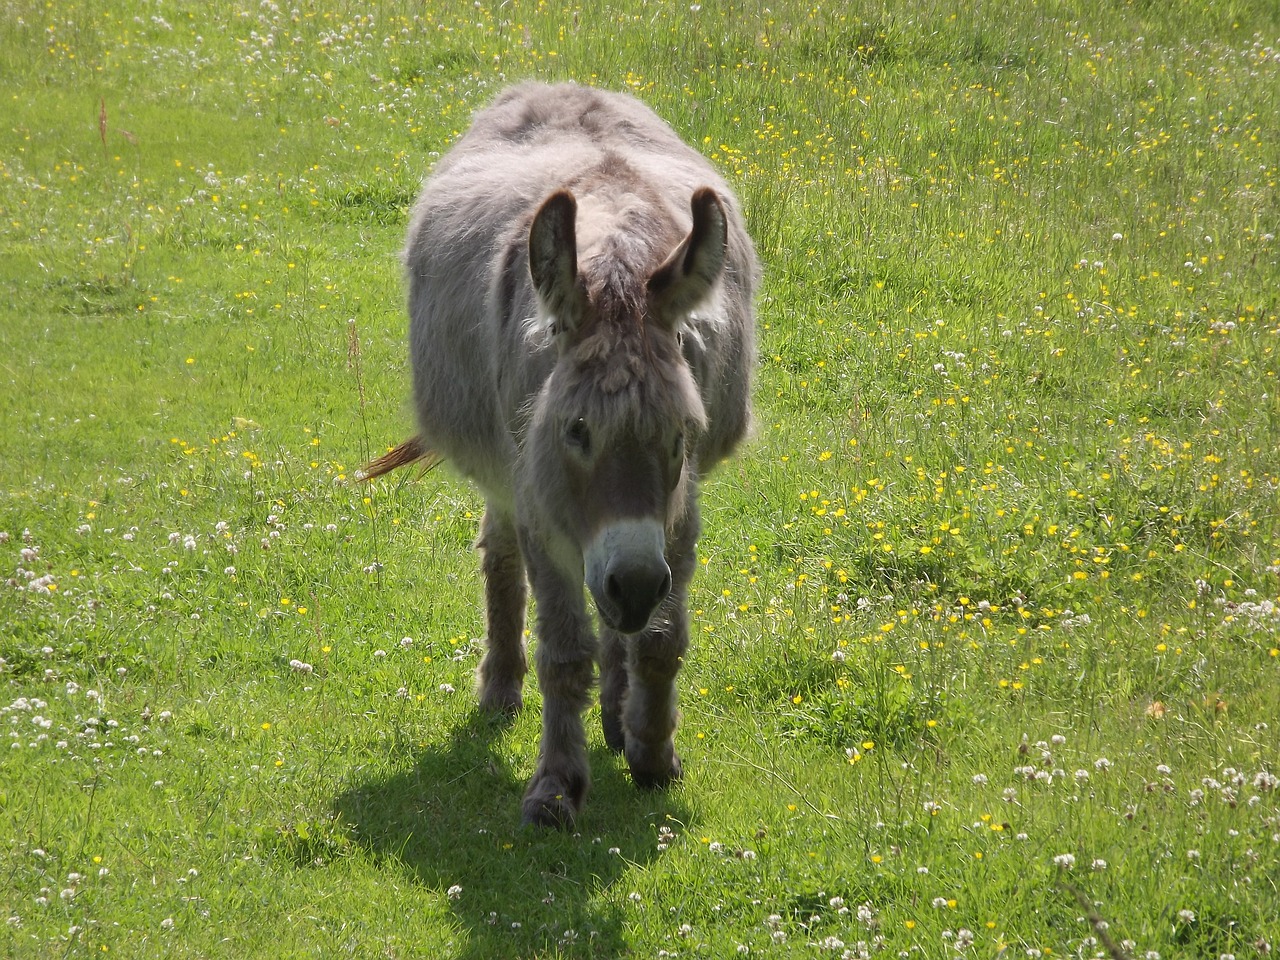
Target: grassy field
point(988, 627)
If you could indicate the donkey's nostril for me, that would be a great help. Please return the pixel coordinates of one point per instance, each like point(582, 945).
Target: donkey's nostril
point(634, 591)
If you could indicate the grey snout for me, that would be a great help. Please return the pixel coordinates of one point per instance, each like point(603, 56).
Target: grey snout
point(627, 573)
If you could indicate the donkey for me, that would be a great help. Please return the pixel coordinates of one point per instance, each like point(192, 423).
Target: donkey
point(581, 337)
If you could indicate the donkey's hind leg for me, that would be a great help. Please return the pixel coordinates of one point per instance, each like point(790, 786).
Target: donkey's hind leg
point(613, 687)
point(502, 671)
point(654, 658)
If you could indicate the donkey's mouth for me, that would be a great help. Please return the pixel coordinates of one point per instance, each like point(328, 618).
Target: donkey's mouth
point(629, 622)
point(627, 573)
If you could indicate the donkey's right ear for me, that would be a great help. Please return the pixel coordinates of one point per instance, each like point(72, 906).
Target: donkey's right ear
point(553, 262)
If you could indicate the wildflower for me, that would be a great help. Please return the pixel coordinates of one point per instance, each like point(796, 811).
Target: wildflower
point(1066, 861)
point(1186, 916)
point(454, 892)
point(299, 667)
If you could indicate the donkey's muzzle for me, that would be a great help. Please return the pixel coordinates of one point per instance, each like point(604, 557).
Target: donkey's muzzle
point(627, 573)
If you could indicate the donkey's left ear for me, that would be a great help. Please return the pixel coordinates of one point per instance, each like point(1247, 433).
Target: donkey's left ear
point(690, 273)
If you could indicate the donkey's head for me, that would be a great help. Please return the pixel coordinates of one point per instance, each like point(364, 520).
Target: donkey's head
point(613, 435)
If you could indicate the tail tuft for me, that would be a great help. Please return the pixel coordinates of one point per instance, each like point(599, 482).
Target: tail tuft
point(412, 450)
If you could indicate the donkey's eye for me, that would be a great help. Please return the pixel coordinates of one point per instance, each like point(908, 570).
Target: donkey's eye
point(677, 448)
point(577, 435)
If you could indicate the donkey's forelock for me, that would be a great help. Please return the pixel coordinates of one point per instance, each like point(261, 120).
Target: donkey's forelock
point(634, 378)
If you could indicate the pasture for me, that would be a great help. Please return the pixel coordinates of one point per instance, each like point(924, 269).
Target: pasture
point(985, 649)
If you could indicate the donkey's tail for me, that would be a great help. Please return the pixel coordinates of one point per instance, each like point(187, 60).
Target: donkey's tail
point(413, 450)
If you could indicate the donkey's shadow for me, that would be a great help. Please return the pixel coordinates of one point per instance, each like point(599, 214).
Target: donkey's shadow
point(452, 821)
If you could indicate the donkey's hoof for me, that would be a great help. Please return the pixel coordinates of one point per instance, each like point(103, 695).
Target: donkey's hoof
point(659, 776)
point(614, 737)
point(501, 702)
point(552, 814)
point(548, 803)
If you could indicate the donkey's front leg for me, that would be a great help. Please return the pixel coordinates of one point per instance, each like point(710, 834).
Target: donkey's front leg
point(654, 658)
point(649, 712)
point(565, 660)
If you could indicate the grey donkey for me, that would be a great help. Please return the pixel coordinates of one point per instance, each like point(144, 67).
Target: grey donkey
point(581, 336)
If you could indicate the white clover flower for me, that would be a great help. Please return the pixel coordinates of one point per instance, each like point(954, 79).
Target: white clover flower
point(1186, 916)
point(454, 892)
point(1066, 861)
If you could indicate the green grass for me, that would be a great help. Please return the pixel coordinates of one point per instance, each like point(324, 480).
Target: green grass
point(995, 582)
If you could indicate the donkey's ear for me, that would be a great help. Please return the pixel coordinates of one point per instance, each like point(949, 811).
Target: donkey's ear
point(553, 261)
point(690, 273)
